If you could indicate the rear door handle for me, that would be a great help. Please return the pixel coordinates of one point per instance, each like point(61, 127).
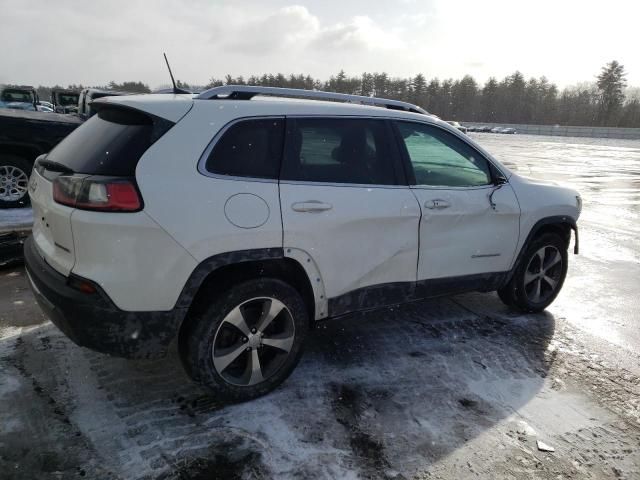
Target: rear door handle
point(311, 206)
point(436, 204)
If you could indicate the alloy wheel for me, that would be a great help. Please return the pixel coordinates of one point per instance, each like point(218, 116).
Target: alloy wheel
point(253, 341)
point(13, 183)
point(543, 274)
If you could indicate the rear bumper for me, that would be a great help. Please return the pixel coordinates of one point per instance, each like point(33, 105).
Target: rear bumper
point(93, 320)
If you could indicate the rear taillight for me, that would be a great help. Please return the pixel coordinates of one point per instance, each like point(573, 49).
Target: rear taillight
point(111, 194)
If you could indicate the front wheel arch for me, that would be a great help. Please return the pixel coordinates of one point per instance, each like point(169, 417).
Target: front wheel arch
point(544, 264)
point(559, 225)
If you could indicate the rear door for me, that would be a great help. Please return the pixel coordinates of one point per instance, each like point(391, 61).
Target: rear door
point(345, 203)
point(470, 224)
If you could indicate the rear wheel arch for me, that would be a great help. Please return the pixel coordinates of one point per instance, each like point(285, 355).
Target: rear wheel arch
point(221, 273)
point(215, 276)
point(241, 353)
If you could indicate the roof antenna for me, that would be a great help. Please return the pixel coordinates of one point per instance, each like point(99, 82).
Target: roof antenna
point(176, 90)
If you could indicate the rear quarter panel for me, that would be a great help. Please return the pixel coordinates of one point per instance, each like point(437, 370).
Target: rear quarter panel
point(191, 206)
point(136, 263)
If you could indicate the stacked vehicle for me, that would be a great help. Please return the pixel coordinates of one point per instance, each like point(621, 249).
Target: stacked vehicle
point(28, 128)
point(19, 98)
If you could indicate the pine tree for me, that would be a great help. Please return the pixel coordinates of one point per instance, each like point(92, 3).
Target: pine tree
point(611, 83)
point(419, 91)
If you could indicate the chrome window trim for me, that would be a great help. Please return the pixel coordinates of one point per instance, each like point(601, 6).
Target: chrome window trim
point(444, 187)
point(427, 121)
point(349, 185)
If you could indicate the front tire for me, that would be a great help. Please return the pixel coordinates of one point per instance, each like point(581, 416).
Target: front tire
point(14, 181)
point(247, 340)
point(539, 276)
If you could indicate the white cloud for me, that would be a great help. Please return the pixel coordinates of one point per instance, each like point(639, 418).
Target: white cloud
point(361, 33)
point(289, 27)
point(94, 42)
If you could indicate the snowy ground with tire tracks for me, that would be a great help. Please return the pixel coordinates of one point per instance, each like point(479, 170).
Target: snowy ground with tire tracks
point(457, 387)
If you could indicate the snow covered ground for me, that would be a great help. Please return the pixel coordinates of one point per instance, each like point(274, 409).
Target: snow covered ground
point(456, 388)
point(15, 219)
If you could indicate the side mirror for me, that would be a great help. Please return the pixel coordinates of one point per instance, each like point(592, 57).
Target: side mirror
point(499, 179)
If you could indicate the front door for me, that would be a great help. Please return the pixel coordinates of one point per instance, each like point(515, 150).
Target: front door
point(469, 225)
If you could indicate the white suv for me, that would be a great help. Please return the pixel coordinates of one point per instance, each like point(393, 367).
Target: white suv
point(231, 221)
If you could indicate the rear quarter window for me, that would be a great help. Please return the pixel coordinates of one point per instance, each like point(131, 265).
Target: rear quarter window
point(249, 148)
point(109, 143)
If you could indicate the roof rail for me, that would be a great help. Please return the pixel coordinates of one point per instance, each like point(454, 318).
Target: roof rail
point(246, 92)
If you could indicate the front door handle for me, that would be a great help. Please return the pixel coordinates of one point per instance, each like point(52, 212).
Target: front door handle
point(311, 206)
point(436, 204)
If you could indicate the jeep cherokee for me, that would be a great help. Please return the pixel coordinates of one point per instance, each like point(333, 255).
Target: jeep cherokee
point(232, 220)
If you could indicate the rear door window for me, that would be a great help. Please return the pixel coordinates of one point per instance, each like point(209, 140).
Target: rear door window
point(249, 148)
point(340, 150)
point(109, 143)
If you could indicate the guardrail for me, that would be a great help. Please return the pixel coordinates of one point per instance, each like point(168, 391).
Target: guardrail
point(566, 130)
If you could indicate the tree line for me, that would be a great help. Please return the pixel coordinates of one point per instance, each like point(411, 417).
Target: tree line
point(133, 87)
point(514, 99)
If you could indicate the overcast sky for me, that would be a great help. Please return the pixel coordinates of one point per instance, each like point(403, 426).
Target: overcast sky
point(92, 42)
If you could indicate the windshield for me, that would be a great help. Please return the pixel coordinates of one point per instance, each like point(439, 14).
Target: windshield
point(15, 95)
point(67, 99)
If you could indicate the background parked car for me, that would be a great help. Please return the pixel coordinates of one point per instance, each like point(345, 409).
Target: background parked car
point(26, 135)
point(87, 95)
point(23, 136)
point(455, 124)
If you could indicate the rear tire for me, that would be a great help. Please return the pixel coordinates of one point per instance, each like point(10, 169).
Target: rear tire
point(247, 340)
point(539, 276)
point(14, 181)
